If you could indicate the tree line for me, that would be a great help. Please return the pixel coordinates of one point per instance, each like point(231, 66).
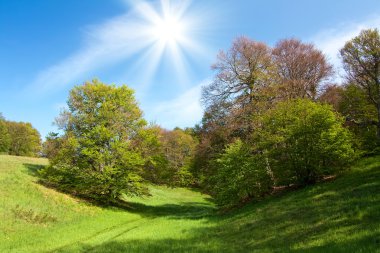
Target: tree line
point(19, 138)
point(273, 119)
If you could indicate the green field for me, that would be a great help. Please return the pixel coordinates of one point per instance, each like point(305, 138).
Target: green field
point(337, 216)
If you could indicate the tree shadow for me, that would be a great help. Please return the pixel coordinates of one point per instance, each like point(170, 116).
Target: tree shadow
point(335, 216)
point(203, 244)
point(33, 169)
point(186, 210)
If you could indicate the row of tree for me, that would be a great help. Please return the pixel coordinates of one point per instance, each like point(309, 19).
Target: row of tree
point(267, 125)
point(108, 149)
point(19, 138)
point(271, 120)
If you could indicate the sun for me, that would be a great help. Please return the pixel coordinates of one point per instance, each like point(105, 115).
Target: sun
point(168, 30)
point(166, 33)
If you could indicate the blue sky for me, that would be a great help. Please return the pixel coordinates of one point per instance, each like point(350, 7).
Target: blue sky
point(47, 47)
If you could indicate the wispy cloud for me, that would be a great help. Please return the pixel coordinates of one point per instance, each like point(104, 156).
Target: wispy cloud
point(182, 111)
point(331, 40)
point(118, 39)
point(105, 44)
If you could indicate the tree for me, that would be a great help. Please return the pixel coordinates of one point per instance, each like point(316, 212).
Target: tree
point(242, 73)
point(332, 95)
point(361, 117)
point(242, 175)
point(303, 142)
point(242, 84)
point(156, 165)
point(52, 145)
point(25, 140)
point(217, 130)
point(361, 60)
point(301, 68)
point(5, 140)
point(178, 148)
point(99, 157)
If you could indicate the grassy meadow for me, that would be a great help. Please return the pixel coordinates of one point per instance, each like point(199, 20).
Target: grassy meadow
point(342, 215)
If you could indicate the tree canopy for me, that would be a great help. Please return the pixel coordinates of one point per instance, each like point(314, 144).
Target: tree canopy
point(361, 60)
point(99, 157)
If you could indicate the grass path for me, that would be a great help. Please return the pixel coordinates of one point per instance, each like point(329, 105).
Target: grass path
point(338, 216)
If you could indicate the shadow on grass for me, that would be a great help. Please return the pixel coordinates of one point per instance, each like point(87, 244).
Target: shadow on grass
point(32, 169)
point(185, 210)
point(336, 216)
point(204, 244)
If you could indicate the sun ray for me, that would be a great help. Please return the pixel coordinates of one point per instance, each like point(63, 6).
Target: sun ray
point(166, 27)
point(149, 61)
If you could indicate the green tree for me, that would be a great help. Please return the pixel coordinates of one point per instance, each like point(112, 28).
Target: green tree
point(5, 140)
point(361, 117)
point(361, 60)
point(304, 141)
point(51, 145)
point(178, 148)
point(100, 157)
point(150, 145)
point(25, 139)
point(242, 175)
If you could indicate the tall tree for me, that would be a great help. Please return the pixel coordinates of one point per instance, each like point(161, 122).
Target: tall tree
point(100, 156)
point(242, 72)
point(242, 82)
point(301, 68)
point(361, 60)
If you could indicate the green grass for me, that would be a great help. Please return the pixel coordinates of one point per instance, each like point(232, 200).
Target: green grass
point(337, 216)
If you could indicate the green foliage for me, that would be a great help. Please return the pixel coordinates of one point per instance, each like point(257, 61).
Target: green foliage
point(178, 148)
point(51, 146)
point(150, 146)
point(337, 216)
point(169, 155)
point(99, 156)
point(5, 139)
point(361, 117)
point(304, 141)
point(361, 60)
point(24, 139)
point(241, 175)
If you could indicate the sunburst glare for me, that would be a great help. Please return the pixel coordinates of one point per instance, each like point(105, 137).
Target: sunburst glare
point(168, 30)
point(166, 27)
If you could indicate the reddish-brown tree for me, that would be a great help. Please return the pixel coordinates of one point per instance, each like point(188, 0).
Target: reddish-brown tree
point(242, 72)
point(301, 69)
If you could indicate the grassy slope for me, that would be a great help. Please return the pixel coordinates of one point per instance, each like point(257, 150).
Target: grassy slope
point(338, 216)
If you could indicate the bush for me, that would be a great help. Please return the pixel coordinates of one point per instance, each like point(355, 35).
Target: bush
point(304, 141)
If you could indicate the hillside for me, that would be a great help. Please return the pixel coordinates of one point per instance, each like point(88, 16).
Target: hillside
point(336, 216)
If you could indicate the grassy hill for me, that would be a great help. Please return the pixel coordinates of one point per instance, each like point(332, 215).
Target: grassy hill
point(338, 216)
